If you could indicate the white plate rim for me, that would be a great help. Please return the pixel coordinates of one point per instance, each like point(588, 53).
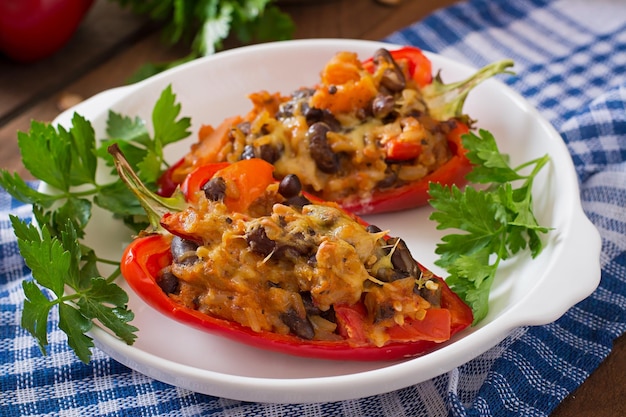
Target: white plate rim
point(343, 387)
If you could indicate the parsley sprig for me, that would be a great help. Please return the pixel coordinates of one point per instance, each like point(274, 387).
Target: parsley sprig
point(204, 25)
point(65, 271)
point(497, 221)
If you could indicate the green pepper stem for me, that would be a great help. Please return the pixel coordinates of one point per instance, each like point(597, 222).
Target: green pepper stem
point(446, 101)
point(154, 205)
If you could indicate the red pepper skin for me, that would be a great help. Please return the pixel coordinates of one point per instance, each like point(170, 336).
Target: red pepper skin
point(166, 184)
point(146, 256)
point(415, 194)
point(419, 66)
point(31, 30)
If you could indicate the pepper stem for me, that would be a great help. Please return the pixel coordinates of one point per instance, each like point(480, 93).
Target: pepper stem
point(445, 101)
point(154, 205)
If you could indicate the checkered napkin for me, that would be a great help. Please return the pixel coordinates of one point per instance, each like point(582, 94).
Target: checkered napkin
point(571, 64)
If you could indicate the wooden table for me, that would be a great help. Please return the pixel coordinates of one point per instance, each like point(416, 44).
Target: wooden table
point(112, 44)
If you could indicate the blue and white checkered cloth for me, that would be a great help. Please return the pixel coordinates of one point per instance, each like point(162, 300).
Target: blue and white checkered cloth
point(571, 64)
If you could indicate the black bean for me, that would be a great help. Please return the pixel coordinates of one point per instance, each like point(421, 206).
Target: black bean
point(286, 110)
point(298, 246)
point(329, 315)
point(325, 159)
point(302, 93)
point(384, 312)
point(290, 186)
point(382, 105)
point(372, 228)
point(183, 251)
point(288, 253)
point(309, 305)
point(432, 296)
point(300, 326)
point(313, 310)
point(298, 201)
point(331, 120)
point(289, 108)
point(393, 78)
point(245, 128)
point(390, 274)
point(215, 189)
point(402, 260)
point(391, 177)
point(269, 153)
point(168, 282)
point(259, 242)
point(312, 114)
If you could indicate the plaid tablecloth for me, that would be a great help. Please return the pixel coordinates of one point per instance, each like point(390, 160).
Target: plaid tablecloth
point(571, 64)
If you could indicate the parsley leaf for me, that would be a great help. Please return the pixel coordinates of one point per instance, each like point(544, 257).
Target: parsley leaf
point(495, 221)
point(142, 150)
point(205, 24)
point(46, 154)
point(65, 271)
point(56, 263)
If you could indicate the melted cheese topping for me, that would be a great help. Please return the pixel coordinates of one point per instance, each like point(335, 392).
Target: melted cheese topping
point(277, 129)
point(283, 271)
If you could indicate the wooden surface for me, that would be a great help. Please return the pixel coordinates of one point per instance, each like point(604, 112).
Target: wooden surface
point(112, 44)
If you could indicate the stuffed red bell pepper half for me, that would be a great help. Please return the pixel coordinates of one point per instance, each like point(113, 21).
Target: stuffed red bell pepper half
point(370, 135)
point(237, 253)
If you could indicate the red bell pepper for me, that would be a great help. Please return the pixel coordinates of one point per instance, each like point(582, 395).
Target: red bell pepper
point(444, 103)
point(31, 30)
point(419, 67)
point(146, 256)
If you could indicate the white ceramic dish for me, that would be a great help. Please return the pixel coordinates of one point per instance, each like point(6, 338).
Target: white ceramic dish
point(525, 292)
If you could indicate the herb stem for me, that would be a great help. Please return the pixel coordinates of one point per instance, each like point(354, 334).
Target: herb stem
point(538, 163)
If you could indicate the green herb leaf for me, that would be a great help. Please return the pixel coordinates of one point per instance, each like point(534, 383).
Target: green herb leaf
point(35, 313)
point(127, 129)
point(142, 150)
point(167, 128)
point(495, 222)
point(19, 189)
point(204, 25)
point(84, 159)
point(214, 29)
point(46, 154)
point(56, 263)
point(106, 302)
point(43, 254)
point(66, 159)
point(119, 200)
point(75, 325)
point(489, 164)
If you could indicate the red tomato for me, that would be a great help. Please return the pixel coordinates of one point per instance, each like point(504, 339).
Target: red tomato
point(402, 150)
point(247, 179)
point(31, 30)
